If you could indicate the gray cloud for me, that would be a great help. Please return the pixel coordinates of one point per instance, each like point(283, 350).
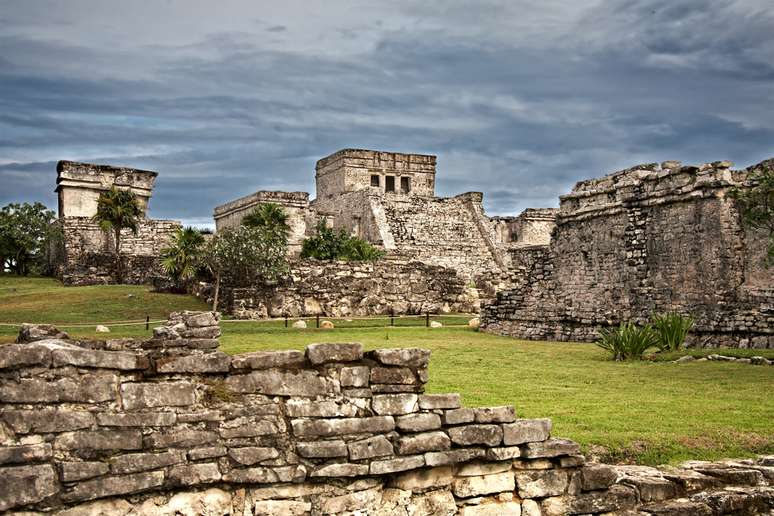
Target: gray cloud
point(517, 101)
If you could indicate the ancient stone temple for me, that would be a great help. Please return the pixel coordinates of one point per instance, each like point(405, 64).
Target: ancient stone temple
point(652, 238)
point(87, 255)
point(388, 198)
point(172, 426)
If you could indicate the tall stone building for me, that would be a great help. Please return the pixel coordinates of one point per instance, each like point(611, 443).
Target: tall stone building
point(652, 238)
point(388, 198)
point(87, 253)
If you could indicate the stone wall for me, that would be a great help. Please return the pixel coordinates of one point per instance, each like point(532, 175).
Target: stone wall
point(533, 226)
point(88, 256)
point(341, 289)
point(295, 205)
point(649, 239)
point(173, 426)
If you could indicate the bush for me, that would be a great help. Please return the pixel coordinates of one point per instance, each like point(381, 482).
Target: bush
point(671, 329)
point(329, 244)
point(628, 341)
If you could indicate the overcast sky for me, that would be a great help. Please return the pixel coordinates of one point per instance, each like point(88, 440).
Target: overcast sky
point(518, 99)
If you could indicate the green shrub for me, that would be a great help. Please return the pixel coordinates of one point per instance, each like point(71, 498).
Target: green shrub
point(671, 328)
point(329, 244)
point(628, 341)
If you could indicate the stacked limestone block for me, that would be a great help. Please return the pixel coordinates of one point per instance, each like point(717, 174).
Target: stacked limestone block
point(182, 429)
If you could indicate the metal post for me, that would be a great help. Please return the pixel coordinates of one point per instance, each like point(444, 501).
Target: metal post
point(286, 321)
point(427, 319)
point(318, 320)
point(147, 322)
point(392, 318)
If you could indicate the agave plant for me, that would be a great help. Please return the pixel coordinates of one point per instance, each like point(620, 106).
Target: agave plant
point(628, 341)
point(672, 329)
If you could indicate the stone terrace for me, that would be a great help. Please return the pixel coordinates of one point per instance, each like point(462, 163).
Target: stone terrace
point(171, 425)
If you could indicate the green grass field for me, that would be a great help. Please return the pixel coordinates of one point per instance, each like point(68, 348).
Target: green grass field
point(644, 412)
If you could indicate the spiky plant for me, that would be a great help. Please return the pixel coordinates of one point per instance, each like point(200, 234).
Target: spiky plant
point(628, 341)
point(271, 218)
point(181, 259)
point(672, 329)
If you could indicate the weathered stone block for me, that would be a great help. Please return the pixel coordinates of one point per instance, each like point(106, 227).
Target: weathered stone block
point(616, 498)
point(209, 332)
point(199, 319)
point(392, 388)
point(328, 352)
point(597, 476)
point(282, 508)
point(38, 332)
point(489, 435)
point(377, 446)
point(136, 396)
point(330, 427)
point(340, 470)
point(194, 474)
point(249, 427)
point(216, 362)
point(322, 449)
point(504, 453)
point(207, 452)
point(550, 448)
point(439, 401)
point(492, 509)
point(458, 416)
point(74, 471)
point(250, 455)
point(25, 453)
point(540, 484)
point(104, 359)
point(269, 360)
point(19, 355)
point(572, 461)
point(274, 382)
point(423, 479)
point(359, 502)
point(426, 442)
point(143, 419)
point(356, 376)
point(266, 475)
point(114, 486)
point(467, 487)
point(180, 438)
point(418, 422)
point(453, 456)
point(383, 467)
point(478, 468)
point(327, 408)
point(408, 357)
point(392, 375)
point(394, 404)
point(134, 462)
point(651, 489)
point(87, 388)
point(526, 431)
point(46, 420)
point(99, 440)
point(24, 485)
point(494, 414)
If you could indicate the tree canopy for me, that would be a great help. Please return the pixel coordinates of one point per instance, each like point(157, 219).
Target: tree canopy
point(118, 209)
point(330, 244)
point(756, 203)
point(26, 232)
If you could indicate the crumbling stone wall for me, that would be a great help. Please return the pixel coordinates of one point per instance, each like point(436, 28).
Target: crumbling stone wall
point(341, 289)
point(649, 239)
point(531, 227)
point(173, 426)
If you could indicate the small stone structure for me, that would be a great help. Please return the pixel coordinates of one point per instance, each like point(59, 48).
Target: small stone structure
point(86, 256)
point(342, 289)
point(172, 426)
point(653, 238)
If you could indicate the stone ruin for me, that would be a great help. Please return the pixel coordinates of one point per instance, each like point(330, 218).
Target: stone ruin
point(652, 238)
point(172, 426)
point(87, 256)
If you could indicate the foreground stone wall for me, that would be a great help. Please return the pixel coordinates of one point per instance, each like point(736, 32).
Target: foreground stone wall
point(173, 426)
point(341, 289)
point(87, 257)
point(649, 239)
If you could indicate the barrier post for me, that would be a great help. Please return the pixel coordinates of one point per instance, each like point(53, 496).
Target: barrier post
point(147, 322)
point(286, 321)
point(427, 319)
point(392, 318)
point(318, 320)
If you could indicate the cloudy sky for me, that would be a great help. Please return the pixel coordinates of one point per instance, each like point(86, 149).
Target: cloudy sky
point(518, 99)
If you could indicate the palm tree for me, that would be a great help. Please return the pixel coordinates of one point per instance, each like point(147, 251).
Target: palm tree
point(118, 210)
point(182, 258)
point(270, 217)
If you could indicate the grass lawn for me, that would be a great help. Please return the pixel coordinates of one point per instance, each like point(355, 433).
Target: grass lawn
point(644, 412)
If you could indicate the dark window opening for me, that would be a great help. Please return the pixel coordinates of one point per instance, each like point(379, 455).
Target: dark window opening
point(405, 184)
point(375, 180)
point(389, 184)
